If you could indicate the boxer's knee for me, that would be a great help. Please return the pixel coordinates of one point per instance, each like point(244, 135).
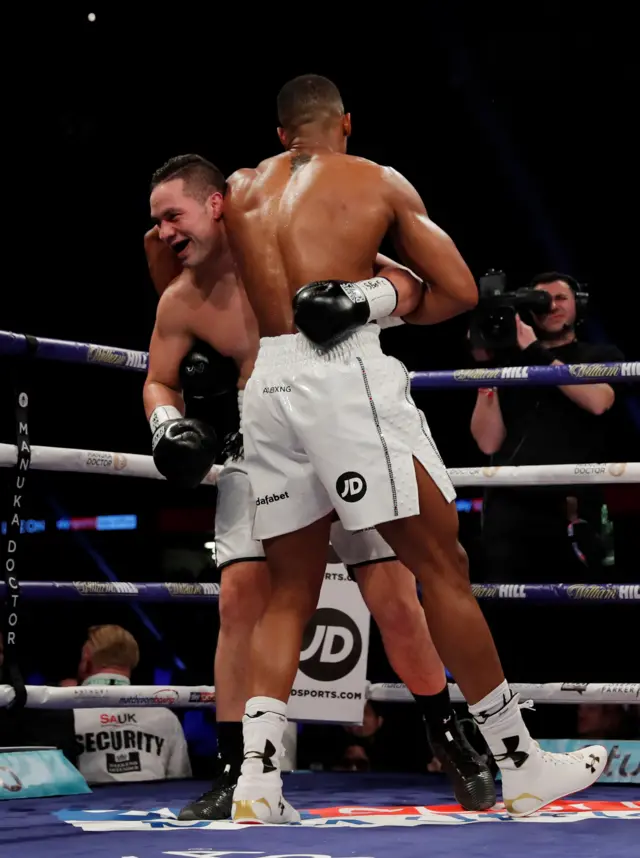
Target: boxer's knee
point(244, 591)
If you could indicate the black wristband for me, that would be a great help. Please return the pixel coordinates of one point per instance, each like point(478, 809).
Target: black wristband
point(536, 355)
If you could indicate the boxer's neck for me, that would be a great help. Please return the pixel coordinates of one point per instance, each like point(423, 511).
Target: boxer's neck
point(217, 265)
point(316, 138)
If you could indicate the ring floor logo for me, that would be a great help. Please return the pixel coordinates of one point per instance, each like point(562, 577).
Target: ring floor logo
point(361, 817)
point(331, 646)
point(215, 853)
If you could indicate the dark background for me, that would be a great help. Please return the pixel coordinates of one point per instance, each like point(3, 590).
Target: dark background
point(521, 139)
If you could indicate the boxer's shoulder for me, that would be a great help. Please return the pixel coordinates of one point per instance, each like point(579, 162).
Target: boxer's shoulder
point(239, 185)
point(356, 161)
point(182, 294)
point(243, 185)
point(175, 305)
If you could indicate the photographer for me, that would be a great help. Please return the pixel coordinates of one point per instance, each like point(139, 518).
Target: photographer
point(531, 533)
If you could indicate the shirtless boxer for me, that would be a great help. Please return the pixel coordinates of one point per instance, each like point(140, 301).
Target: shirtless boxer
point(204, 323)
point(342, 433)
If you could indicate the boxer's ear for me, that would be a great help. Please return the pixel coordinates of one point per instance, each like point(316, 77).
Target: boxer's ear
point(282, 137)
point(346, 125)
point(215, 201)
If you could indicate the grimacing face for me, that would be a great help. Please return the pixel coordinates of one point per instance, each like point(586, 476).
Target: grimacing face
point(187, 225)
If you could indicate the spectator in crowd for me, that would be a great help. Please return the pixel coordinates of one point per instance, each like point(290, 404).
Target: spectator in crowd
point(124, 744)
point(531, 532)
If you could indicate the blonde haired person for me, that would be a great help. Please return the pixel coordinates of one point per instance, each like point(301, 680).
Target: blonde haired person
point(124, 744)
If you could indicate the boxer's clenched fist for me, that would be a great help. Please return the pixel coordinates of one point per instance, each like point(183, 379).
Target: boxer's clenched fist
point(327, 311)
point(184, 449)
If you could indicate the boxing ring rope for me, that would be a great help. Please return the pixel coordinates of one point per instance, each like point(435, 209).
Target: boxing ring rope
point(117, 358)
point(192, 591)
point(199, 696)
point(135, 465)
point(92, 462)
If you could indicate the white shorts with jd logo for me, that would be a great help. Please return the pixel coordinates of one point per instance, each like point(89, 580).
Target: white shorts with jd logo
point(333, 429)
point(235, 509)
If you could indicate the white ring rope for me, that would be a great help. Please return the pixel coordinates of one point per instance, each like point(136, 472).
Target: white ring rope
point(136, 465)
point(184, 696)
point(548, 692)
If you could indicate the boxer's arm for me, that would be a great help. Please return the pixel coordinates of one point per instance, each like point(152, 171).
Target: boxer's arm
point(164, 265)
point(170, 342)
point(431, 253)
point(409, 286)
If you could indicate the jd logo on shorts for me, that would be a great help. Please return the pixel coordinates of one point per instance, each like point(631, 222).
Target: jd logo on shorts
point(331, 646)
point(351, 487)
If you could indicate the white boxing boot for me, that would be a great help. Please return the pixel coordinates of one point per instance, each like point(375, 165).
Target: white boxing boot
point(531, 777)
point(257, 798)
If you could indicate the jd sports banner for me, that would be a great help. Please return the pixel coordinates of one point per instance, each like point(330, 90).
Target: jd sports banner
point(331, 679)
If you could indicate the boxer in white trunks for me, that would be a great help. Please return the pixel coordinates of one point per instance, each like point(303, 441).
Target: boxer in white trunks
point(329, 424)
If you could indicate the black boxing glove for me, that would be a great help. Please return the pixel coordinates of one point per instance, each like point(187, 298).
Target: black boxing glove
point(205, 373)
point(327, 311)
point(184, 449)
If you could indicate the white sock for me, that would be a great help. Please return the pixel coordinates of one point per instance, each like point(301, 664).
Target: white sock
point(493, 702)
point(501, 723)
point(263, 728)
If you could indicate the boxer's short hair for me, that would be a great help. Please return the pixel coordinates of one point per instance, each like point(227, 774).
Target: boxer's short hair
point(308, 98)
point(200, 176)
point(113, 646)
point(548, 277)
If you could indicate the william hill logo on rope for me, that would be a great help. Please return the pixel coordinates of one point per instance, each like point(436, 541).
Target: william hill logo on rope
point(165, 818)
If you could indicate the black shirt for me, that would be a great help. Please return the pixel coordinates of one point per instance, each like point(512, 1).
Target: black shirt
point(545, 427)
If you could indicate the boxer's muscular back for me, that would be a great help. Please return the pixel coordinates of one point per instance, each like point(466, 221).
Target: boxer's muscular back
point(301, 217)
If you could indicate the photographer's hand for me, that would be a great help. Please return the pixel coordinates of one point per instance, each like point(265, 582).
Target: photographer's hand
point(526, 334)
point(595, 398)
point(487, 425)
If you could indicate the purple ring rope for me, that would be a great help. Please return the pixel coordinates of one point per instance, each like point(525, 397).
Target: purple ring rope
point(70, 352)
point(171, 592)
point(110, 356)
point(120, 591)
point(510, 376)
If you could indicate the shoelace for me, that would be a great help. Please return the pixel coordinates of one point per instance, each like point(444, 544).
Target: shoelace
point(560, 759)
point(522, 704)
point(459, 748)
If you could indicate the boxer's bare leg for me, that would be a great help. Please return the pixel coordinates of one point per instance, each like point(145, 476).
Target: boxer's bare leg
point(428, 545)
point(244, 592)
point(297, 562)
point(389, 591)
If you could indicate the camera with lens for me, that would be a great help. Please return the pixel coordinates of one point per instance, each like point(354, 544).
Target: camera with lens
point(493, 322)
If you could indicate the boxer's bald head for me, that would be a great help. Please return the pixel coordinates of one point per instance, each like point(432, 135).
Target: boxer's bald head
point(186, 203)
point(308, 104)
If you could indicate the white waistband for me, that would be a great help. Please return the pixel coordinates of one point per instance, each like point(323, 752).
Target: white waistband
point(296, 348)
